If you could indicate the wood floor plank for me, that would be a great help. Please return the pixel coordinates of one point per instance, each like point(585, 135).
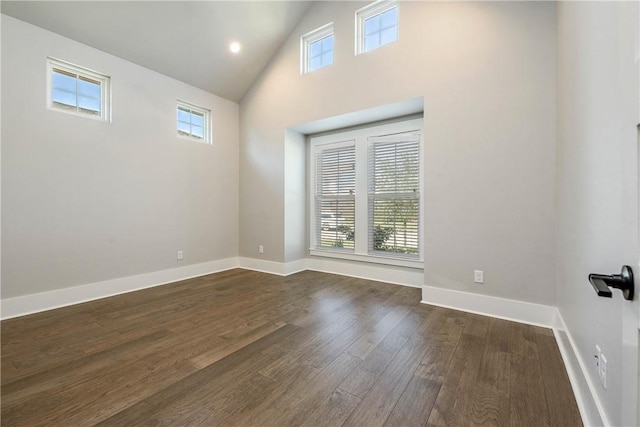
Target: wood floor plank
point(378, 403)
point(360, 381)
point(459, 383)
point(367, 342)
point(415, 403)
point(333, 411)
point(528, 397)
point(209, 405)
point(22, 388)
point(144, 409)
point(306, 342)
point(225, 394)
point(203, 360)
point(563, 409)
point(491, 397)
point(522, 340)
point(365, 376)
point(297, 404)
point(254, 416)
point(243, 398)
point(321, 345)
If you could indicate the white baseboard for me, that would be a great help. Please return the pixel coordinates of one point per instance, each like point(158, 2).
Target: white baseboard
point(590, 407)
point(272, 267)
point(412, 277)
point(295, 266)
point(502, 308)
point(33, 303)
point(394, 275)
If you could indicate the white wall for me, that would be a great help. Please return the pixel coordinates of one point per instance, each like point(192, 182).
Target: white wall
point(597, 226)
point(295, 245)
point(86, 201)
point(486, 71)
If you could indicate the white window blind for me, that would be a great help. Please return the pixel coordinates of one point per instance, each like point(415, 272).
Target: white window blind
point(335, 197)
point(394, 194)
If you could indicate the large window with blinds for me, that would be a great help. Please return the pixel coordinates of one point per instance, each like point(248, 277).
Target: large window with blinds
point(366, 193)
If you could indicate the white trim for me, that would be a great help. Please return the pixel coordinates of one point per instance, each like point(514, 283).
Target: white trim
point(34, 303)
point(272, 267)
point(501, 308)
point(589, 406)
point(375, 259)
point(398, 276)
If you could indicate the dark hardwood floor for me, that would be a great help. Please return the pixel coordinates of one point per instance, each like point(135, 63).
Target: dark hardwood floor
point(252, 349)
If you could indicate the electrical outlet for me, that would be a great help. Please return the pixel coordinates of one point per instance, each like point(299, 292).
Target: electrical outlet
point(179, 255)
point(601, 366)
point(260, 249)
point(603, 370)
point(478, 276)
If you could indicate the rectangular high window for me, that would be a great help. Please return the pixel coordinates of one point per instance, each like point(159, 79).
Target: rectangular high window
point(193, 122)
point(77, 90)
point(317, 49)
point(376, 25)
point(366, 202)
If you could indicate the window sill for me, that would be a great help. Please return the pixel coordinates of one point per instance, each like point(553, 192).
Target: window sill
point(376, 259)
point(100, 118)
point(193, 139)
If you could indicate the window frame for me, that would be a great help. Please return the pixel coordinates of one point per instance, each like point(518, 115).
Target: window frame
point(313, 36)
point(206, 128)
point(371, 10)
point(362, 143)
point(78, 71)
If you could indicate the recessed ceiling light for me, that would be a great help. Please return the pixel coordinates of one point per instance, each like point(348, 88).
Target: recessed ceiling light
point(234, 47)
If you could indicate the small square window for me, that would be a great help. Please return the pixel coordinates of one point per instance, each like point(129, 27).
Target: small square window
point(193, 122)
point(77, 90)
point(316, 49)
point(376, 25)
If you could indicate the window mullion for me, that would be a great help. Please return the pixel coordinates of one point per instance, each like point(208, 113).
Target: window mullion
point(362, 202)
point(77, 95)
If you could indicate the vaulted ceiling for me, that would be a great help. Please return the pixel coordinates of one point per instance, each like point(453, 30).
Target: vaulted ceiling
point(188, 41)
